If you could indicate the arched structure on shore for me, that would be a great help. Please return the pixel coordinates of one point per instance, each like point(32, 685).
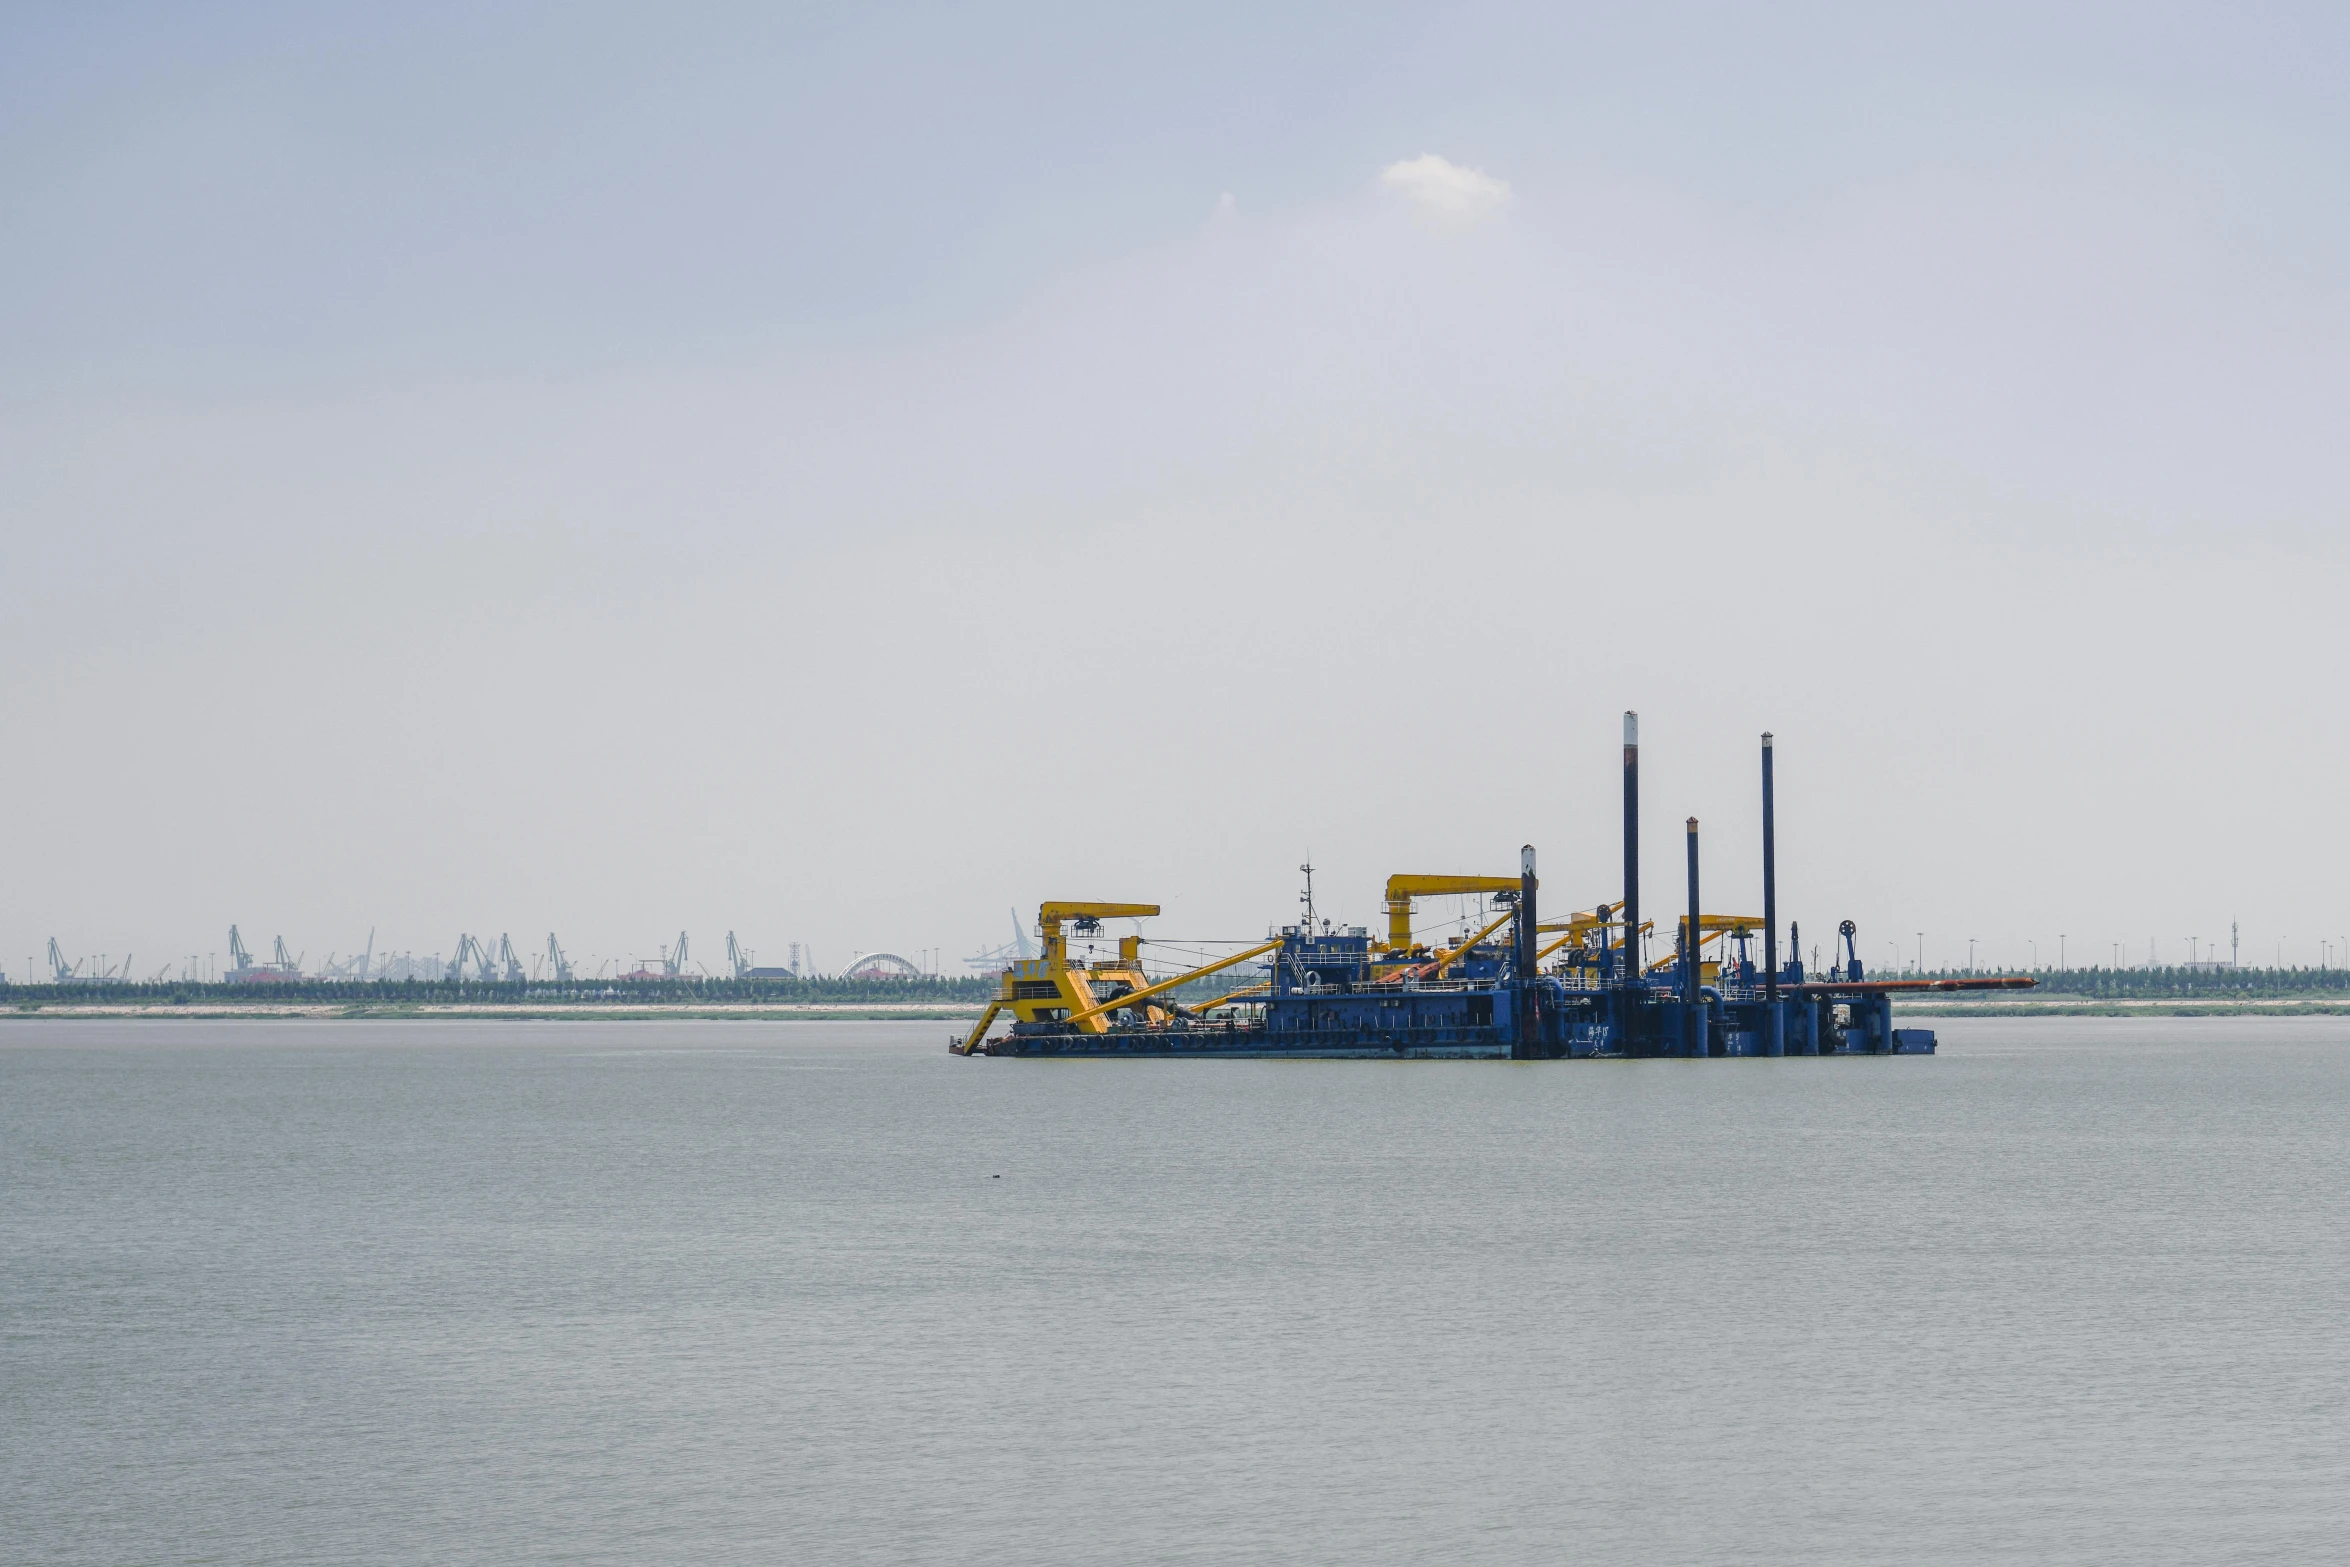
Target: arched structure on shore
point(882, 965)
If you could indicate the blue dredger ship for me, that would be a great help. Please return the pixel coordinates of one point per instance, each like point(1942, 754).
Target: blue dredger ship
point(1517, 989)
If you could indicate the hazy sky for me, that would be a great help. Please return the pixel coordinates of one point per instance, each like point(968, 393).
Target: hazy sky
point(609, 470)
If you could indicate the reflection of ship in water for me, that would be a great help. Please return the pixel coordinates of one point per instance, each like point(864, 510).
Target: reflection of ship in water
point(994, 960)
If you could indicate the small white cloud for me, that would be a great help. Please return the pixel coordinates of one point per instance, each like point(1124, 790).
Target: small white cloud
point(1445, 187)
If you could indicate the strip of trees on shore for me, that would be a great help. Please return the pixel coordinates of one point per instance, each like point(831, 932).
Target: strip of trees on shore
point(972, 991)
point(2201, 981)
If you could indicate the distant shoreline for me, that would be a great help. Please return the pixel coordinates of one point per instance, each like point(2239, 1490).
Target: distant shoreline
point(2155, 1006)
point(327, 1011)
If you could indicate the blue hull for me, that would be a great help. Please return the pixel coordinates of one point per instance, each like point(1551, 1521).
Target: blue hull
point(1485, 1044)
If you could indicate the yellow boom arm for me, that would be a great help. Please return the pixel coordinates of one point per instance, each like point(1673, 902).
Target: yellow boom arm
point(1445, 959)
point(1054, 913)
point(1148, 991)
point(1050, 915)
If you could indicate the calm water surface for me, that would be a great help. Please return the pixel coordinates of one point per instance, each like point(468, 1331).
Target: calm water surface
point(2073, 1291)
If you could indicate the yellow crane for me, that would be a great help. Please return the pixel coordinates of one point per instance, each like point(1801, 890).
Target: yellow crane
point(1049, 988)
point(1402, 889)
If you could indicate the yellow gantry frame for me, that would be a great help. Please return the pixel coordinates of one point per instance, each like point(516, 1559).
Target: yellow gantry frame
point(1034, 987)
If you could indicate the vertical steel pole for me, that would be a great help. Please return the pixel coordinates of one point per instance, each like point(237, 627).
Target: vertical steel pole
point(1774, 1030)
point(1631, 844)
point(1629, 976)
point(1529, 930)
point(1690, 1000)
point(1526, 920)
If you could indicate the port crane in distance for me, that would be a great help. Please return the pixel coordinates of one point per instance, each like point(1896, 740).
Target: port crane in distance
point(357, 967)
point(244, 970)
point(991, 960)
point(471, 949)
point(99, 973)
